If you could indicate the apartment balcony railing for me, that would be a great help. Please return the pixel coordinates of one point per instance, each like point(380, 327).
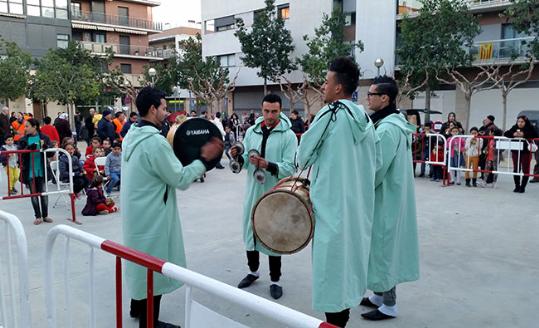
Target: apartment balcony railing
point(496, 50)
point(411, 7)
point(96, 17)
point(123, 50)
point(487, 3)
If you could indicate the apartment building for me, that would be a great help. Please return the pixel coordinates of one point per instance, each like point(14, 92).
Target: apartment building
point(375, 23)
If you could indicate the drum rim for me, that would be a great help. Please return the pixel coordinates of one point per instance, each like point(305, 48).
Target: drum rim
point(184, 126)
point(308, 206)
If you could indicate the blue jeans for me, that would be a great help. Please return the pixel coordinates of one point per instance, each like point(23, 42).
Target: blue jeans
point(114, 181)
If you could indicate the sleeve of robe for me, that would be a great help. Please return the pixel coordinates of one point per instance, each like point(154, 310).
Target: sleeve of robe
point(307, 152)
point(171, 170)
point(287, 166)
point(388, 141)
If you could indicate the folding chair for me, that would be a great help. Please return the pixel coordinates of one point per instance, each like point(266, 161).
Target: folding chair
point(59, 184)
point(100, 161)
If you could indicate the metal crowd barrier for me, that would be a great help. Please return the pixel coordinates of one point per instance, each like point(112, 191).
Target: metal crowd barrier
point(278, 313)
point(47, 192)
point(430, 142)
point(10, 316)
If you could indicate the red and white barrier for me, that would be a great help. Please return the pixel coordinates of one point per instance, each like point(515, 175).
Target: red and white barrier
point(10, 316)
point(273, 311)
point(432, 141)
point(47, 192)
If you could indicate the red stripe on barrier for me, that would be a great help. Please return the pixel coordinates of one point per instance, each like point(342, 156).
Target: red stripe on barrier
point(327, 325)
point(149, 299)
point(132, 255)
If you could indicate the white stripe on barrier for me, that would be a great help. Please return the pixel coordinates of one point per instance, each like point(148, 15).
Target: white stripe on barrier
point(23, 319)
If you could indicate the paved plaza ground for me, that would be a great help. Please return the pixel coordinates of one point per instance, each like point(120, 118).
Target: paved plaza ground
point(479, 258)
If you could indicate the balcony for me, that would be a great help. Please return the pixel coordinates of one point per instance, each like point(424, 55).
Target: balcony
point(496, 51)
point(487, 4)
point(124, 51)
point(410, 8)
point(122, 21)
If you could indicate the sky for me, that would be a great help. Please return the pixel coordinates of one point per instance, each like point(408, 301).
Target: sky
point(177, 12)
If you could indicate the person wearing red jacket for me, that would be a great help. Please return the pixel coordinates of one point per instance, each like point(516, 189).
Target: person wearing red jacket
point(49, 130)
point(89, 164)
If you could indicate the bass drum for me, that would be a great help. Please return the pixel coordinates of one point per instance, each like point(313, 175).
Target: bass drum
point(188, 138)
point(282, 218)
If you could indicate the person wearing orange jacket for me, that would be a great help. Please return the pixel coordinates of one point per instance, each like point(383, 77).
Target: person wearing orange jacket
point(118, 122)
point(18, 127)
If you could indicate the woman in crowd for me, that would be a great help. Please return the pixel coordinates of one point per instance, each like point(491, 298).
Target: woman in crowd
point(521, 159)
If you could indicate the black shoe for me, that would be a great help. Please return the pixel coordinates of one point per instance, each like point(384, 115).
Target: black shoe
point(517, 189)
point(161, 324)
point(247, 281)
point(219, 166)
point(421, 175)
point(367, 302)
point(376, 315)
point(522, 190)
point(276, 291)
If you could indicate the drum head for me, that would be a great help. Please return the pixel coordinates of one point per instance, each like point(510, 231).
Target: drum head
point(189, 138)
point(282, 222)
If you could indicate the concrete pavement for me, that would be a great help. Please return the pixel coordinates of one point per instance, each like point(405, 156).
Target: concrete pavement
point(479, 258)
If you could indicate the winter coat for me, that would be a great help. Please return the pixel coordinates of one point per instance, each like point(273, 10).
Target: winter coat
point(26, 158)
point(394, 256)
point(105, 129)
point(280, 149)
point(64, 131)
point(529, 133)
point(342, 195)
point(94, 196)
point(150, 220)
point(63, 166)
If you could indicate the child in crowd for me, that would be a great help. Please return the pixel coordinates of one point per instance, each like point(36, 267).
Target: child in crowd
point(113, 166)
point(96, 202)
point(473, 150)
point(457, 147)
point(11, 163)
point(89, 164)
point(437, 156)
point(229, 140)
point(426, 144)
point(492, 157)
point(107, 146)
point(95, 143)
point(79, 178)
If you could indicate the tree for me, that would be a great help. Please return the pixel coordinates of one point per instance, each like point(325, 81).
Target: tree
point(68, 76)
point(480, 80)
point(290, 91)
point(267, 45)
point(327, 44)
point(436, 40)
point(524, 15)
point(169, 73)
point(14, 70)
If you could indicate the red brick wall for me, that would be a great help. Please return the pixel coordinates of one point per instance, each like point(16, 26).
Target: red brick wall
point(136, 10)
point(137, 66)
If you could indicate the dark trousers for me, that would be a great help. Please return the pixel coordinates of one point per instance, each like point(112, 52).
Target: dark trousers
point(253, 261)
point(521, 166)
point(138, 307)
point(390, 297)
point(339, 319)
point(79, 183)
point(36, 186)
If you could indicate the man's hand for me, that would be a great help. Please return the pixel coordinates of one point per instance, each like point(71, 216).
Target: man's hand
point(212, 149)
point(234, 152)
point(258, 162)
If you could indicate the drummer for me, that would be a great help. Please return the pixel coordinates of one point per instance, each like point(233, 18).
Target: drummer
point(151, 223)
point(272, 137)
point(340, 146)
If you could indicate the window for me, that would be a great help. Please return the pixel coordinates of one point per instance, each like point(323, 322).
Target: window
point(209, 26)
point(227, 60)
point(123, 15)
point(124, 44)
point(76, 11)
point(284, 11)
point(62, 40)
point(125, 68)
point(46, 8)
point(349, 19)
point(11, 6)
point(99, 37)
point(225, 23)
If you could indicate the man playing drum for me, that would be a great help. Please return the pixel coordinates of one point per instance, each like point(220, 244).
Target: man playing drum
point(272, 137)
point(394, 254)
point(340, 147)
point(151, 223)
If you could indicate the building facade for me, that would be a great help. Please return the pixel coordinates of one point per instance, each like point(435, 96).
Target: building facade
point(376, 24)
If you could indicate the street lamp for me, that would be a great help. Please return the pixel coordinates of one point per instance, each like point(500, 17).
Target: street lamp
point(379, 62)
point(152, 72)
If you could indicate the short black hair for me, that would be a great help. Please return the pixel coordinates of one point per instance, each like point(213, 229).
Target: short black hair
point(218, 114)
point(116, 144)
point(474, 129)
point(295, 112)
point(388, 86)
point(33, 122)
point(133, 114)
point(147, 97)
point(346, 72)
point(273, 98)
point(47, 120)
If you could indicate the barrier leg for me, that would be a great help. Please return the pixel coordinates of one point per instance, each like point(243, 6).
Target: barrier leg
point(73, 210)
point(149, 300)
point(118, 292)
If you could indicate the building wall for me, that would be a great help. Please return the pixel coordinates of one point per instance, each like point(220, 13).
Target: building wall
point(136, 10)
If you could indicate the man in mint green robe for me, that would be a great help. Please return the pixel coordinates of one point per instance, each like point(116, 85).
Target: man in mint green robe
point(394, 254)
point(151, 223)
point(340, 147)
point(272, 137)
